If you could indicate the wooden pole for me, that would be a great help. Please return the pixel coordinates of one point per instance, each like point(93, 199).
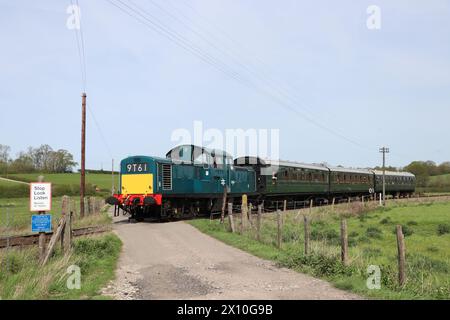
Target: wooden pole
point(332, 205)
point(113, 187)
point(41, 234)
point(65, 203)
point(311, 206)
point(54, 239)
point(244, 208)
point(258, 223)
point(230, 217)
point(401, 256)
point(284, 205)
point(68, 231)
point(83, 153)
point(306, 234)
point(249, 214)
point(344, 242)
point(224, 202)
point(279, 229)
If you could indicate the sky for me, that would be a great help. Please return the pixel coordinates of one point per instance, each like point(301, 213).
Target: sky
point(335, 89)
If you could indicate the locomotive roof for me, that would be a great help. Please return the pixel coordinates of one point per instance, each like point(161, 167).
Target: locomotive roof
point(197, 150)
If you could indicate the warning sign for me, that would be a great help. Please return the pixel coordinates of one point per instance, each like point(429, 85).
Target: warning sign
point(40, 196)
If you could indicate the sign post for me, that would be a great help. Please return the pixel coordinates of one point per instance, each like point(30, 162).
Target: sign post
point(41, 201)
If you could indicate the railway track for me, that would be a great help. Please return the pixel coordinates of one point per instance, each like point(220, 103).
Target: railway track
point(33, 239)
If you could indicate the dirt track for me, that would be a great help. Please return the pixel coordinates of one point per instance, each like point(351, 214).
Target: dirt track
point(176, 261)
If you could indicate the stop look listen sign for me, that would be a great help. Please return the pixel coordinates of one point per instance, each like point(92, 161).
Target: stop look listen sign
point(40, 196)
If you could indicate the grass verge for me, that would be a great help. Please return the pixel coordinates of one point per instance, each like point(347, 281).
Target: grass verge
point(372, 242)
point(21, 277)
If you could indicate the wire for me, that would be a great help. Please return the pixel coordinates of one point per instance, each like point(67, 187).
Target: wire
point(82, 57)
point(82, 50)
point(160, 28)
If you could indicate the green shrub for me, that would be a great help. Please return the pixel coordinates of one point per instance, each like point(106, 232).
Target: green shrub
point(412, 223)
point(386, 220)
point(432, 249)
point(373, 232)
point(353, 234)
point(443, 229)
point(419, 262)
point(407, 231)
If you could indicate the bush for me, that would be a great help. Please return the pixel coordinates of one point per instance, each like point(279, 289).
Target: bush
point(419, 262)
point(412, 223)
point(443, 229)
point(330, 235)
point(96, 248)
point(386, 220)
point(373, 232)
point(407, 231)
point(325, 266)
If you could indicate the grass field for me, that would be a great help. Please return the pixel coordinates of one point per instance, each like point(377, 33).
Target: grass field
point(371, 242)
point(22, 277)
point(102, 181)
point(63, 184)
point(15, 216)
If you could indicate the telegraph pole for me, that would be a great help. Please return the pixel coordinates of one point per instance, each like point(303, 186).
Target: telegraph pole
point(83, 153)
point(384, 150)
point(112, 177)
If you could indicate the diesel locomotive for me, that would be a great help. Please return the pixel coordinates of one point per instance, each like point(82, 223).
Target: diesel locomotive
point(193, 180)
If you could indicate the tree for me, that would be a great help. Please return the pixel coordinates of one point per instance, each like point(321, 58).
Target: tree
point(23, 163)
point(61, 161)
point(444, 168)
point(4, 153)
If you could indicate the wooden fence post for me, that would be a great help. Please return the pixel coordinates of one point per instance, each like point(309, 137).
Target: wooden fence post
point(65, 203)
point(244, 217)
point(68, 231)
point(306, 231)
point(258, 223)
point(344, 242)
point(332, 205)
point(92, 208)
point(249, 213)
point(401, 256)
point(284, 205)
point(86, 205)
point(279, 229)
point(311, 206)
point(230, 216)
point(56, 235)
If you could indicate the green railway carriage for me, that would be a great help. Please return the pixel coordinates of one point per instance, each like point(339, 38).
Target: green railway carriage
point(350, 181)
point(296, 179)
point(397, 183)
point(281, 179)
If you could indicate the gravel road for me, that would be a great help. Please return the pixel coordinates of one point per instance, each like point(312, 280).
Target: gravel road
point(176, 261)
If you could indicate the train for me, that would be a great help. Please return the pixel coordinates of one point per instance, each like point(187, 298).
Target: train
point(194, 181)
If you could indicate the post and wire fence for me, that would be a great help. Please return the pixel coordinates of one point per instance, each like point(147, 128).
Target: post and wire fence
point(302, 229)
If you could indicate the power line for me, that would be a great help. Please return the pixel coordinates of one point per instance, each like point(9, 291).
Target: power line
point(82, 58)
point(218, 64)
point(283, 86)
